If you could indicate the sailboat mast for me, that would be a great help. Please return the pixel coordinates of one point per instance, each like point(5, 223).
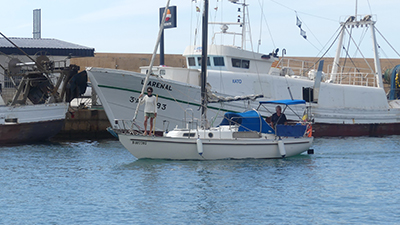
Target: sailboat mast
point(153, 57)
point(204, 66)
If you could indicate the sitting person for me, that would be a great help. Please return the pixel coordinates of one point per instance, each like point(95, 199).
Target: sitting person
point(278, 117)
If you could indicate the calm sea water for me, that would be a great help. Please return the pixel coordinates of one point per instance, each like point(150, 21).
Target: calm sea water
point(347, 180)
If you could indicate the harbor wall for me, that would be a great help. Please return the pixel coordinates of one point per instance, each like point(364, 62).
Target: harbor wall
point(132, 62)
point(85, 124)
point(126, 61)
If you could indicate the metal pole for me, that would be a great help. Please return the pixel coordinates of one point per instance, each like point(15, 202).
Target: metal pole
point(378, 70)
point(152, 58)
point(335, 66)
point(204, 66)
point(162, 49)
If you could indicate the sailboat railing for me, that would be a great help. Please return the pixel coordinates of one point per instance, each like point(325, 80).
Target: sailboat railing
point(193, 122)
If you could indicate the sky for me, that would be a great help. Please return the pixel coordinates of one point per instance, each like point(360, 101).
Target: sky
point(131, 26)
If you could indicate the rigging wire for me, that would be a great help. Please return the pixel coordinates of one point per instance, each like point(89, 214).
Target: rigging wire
point(364, 33)
point(310, 32)
point(320, 17)
point(191, 23)
point(369, 5)
point(386, 56)
point(261, 17)
point(387, 41)
point(326, 52)
point(266, 23)
point(365, 59)
point(198, 15)
point(347, 49)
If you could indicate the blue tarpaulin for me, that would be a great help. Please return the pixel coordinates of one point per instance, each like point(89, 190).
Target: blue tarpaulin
point(297, 130)
point(248, 121)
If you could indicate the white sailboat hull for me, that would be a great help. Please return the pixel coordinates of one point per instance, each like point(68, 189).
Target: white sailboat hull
point(186, 148)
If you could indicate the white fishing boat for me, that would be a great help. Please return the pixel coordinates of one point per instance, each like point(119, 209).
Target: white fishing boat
point(30, 123)
point(238, 136)
point(342, 103)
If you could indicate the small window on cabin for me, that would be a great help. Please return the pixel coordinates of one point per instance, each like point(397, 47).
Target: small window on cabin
point(236, 62)
point(208, 61)
point(191, 61)
point(219, 61)
point(162, 72)
point(241, 63)
point(245, 64)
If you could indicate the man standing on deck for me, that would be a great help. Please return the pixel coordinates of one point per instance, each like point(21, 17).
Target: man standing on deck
point(150, 108)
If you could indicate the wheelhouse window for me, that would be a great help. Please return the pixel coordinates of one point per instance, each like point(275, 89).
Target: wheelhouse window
point(162, 72)
point(199, 60)
point(219, 61)
point(241, 63)
point(245, 64)
point(236, 63)
point(191, 61)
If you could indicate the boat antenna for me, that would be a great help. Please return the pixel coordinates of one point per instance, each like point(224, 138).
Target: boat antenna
point(153, 57)
point(204, 66)
point(290, 93)
point(356, 8)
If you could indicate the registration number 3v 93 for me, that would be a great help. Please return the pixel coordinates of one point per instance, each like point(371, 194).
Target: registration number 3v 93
point(160, 105)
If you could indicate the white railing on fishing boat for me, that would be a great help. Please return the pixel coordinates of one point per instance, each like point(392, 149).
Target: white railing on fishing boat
point(306, 69)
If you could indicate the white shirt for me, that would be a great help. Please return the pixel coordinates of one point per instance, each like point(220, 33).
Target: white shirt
point(150, 105)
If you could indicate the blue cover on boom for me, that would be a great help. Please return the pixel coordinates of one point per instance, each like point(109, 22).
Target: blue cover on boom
point(248, 121)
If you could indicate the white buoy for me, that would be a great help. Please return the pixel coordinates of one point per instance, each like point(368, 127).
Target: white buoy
point(199, 146)
point(281, 147)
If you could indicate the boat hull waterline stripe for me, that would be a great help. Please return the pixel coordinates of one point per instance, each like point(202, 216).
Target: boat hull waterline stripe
point(222, 143)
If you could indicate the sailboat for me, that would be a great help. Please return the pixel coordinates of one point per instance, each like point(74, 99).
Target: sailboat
point(238, 136)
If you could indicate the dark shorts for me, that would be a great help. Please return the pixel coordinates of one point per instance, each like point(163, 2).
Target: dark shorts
point(150, 115)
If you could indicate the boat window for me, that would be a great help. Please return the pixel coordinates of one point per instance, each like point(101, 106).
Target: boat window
point(219, 61)
point(236, 62)
point(11, 120)
point(241, 63)
point(208, 61)
point(188, 134)
point(245, 64)
point(162, 72)
point(191, 61)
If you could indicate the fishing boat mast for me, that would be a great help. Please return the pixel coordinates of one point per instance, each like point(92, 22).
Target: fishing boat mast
point(358, 21)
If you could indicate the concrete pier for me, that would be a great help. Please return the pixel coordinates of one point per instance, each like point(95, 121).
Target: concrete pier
point(85, 124)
